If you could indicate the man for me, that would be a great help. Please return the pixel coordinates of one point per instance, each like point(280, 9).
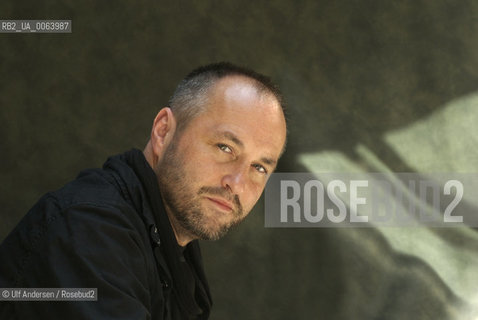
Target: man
point(131, 228)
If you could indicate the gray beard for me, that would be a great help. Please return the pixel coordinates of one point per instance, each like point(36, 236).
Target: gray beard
point(184, 203)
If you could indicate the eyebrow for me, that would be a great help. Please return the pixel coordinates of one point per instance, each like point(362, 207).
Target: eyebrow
point(269, 161)
point(232, 137)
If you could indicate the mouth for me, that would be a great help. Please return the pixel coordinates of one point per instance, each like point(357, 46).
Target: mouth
point(221, 203)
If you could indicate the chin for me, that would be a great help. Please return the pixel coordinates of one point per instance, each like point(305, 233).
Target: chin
point(215, 231)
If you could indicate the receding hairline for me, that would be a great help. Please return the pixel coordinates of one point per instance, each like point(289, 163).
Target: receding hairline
point(200, 80)
point(208, 91)
point(261, 89)
point(192, 95)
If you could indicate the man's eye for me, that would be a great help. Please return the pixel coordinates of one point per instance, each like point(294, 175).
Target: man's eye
point(224, 148)
point(260, 168)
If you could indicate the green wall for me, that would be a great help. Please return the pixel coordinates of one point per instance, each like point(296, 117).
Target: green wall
point(370, 86)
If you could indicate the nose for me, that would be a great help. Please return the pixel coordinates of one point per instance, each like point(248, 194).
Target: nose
point(235, 180)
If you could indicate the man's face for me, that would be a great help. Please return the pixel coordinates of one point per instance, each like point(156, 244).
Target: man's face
point(213, 173)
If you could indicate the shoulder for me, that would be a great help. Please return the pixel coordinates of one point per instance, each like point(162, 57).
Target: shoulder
point(92, 186)
point(88, 219)
point(93, 201)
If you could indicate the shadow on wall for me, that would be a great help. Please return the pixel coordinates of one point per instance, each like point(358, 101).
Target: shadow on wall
point(365, 73)
point(395, 273)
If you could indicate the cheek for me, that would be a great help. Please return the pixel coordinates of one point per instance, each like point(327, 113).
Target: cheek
point(253, 196)
point(202, 172)
point(202, 167)
point(195, 162)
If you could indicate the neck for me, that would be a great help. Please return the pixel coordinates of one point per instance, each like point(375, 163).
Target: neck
point(183, 237)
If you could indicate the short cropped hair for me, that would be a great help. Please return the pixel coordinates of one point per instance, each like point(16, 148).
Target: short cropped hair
point(190, 97)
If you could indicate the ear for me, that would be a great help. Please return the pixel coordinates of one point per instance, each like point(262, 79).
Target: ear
point(164, 127)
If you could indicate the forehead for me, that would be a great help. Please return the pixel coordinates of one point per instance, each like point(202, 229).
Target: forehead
point(235, 104)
